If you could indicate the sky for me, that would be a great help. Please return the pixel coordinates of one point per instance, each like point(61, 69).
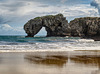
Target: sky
point(15, 13)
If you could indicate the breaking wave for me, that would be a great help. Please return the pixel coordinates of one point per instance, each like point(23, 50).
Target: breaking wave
point(46, 43)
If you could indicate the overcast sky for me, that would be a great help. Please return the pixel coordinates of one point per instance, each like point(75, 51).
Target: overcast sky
point(15, 13)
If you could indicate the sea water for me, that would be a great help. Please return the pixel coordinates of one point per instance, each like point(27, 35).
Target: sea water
point(65, 61)
point(47, 43)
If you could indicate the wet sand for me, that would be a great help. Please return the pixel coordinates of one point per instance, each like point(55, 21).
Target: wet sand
point(77, 62)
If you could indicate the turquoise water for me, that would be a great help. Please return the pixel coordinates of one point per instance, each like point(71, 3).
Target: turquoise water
point(40, 42)
point(23, 39)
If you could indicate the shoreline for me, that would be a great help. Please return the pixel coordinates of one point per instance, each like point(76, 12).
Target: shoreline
point(43, 50)
point(40, 50)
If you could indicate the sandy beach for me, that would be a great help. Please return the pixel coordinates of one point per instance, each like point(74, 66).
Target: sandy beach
point(63, 62)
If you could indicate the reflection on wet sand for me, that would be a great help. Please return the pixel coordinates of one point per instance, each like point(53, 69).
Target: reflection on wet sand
point(88, 60)
point(47, 60)
point(50, 63)
point(61, 60)
point(94, 60)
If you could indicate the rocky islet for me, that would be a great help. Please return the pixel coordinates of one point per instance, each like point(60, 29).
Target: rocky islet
point(57, 25)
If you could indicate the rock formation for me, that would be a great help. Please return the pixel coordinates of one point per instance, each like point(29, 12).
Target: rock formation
point(85, 27)
point(55, 25)
point(58, 26)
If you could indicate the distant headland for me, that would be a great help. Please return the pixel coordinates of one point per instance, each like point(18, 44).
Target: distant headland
point(58, 26)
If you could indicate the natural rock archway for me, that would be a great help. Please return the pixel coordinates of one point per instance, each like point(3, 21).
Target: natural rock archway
point(86, 27)
point(55, 25)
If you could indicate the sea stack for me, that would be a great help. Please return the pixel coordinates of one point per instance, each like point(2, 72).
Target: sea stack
point(55, 25)
point(86, 27)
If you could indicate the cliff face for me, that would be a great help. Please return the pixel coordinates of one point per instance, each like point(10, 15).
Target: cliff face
point(55, 25)
point(85, 27)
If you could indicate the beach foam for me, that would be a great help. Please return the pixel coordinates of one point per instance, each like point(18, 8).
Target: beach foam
point(22, 44)
point(28, 48)
point(86, 40)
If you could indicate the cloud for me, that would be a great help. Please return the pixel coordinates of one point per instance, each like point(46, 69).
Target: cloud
point(96, 4)
point(17, 12)
point(43, 6)
point(6, 29)
point(62, 1)
point(80, 10)
point(3, 20)
point(27, 9)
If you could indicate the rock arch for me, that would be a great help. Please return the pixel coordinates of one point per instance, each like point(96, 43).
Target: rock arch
point(42, 32)
point(56, 25)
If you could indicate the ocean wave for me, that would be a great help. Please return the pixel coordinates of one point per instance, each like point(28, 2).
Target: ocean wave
point(85, 40)
point(57, 45)
point(28, 47)
point(38, 43)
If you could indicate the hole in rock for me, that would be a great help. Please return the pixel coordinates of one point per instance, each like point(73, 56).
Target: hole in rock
point(42, 32)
